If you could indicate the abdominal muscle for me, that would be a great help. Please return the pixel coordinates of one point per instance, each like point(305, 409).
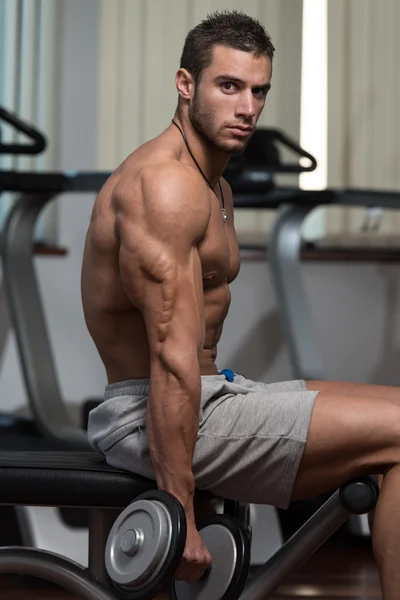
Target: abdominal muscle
point(121, 338)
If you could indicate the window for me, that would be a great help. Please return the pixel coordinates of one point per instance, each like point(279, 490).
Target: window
point(314, 115)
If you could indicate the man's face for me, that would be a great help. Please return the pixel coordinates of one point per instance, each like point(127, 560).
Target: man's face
point(229, 98)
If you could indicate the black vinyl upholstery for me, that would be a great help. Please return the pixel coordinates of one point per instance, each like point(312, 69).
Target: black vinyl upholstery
point(66, 479)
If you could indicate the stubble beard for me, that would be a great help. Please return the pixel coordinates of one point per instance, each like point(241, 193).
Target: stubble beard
point(201, 120)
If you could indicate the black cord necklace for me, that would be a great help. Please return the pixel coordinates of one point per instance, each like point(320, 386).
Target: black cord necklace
point(199, 168)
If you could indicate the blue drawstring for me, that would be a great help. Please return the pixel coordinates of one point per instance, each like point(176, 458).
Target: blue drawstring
point(229, 375)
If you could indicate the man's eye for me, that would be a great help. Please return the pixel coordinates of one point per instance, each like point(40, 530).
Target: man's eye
point(228, 86)
point(260, 92)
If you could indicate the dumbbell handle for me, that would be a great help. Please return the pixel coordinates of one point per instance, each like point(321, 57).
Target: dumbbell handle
point(206, 573)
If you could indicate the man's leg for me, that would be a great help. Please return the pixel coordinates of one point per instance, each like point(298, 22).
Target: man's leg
point(377, 392)
point(385, 392)
point(354, 435)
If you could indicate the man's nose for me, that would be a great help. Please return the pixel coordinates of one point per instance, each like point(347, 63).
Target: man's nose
point(246, 106)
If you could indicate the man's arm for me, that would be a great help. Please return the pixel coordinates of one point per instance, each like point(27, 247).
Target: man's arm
point(161, 272)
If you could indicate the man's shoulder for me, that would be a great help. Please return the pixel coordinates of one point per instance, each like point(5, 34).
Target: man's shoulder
point(166, 194)
point(167, 179)
point(173, 174)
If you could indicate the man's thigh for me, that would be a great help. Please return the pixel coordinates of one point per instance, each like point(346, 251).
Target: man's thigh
point(349, 436)
point(347, 388)
point(250, 443)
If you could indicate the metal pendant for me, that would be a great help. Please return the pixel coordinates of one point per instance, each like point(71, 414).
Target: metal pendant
point(224, 214)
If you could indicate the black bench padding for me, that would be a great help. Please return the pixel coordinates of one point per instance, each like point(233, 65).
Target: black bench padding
point(66, 479)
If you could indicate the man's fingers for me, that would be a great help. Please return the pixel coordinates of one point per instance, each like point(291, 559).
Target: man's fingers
point(190, 570)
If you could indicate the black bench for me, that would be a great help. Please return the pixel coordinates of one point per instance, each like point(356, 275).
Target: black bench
point(82, 479)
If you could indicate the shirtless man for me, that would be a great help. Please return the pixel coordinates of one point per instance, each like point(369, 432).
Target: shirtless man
point(158, 260)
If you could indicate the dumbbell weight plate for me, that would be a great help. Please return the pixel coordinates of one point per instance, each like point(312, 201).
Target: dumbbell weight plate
point(227, 542)
point(145, 545)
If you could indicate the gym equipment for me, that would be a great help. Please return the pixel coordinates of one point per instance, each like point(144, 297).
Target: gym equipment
point(83, 479)
point(8, 423)
point(38, 141)
point(229, 545)
point(42, 527)
point(285, 246)
point(145, 545)
point(17, 432)
point(263, 150)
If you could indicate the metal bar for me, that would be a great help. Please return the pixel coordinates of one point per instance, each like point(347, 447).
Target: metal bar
point(48, 107)
point(284, 261)
point(367, 198)
point(272, 197)
point(54, 568)
point(54, 182)
point(297, 549)
point(100, 522)
point(29, 323)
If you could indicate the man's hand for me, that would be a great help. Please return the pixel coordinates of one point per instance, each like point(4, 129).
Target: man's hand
point(196, 558)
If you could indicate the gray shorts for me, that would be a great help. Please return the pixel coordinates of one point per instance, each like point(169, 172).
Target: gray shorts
point(250, 441)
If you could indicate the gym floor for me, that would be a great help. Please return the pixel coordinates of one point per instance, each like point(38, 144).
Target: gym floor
point(340, 572)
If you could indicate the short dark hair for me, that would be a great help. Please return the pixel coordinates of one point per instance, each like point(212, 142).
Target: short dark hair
point(234, 29)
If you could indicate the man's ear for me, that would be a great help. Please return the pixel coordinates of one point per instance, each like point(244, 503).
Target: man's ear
point(184, 84)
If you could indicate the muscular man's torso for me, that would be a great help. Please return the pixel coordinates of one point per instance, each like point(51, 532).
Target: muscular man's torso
point(115, 324)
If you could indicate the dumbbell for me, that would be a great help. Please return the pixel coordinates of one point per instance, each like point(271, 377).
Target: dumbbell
point(146, 544)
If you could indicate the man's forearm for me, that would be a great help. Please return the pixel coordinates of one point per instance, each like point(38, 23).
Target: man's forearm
point(172, 425)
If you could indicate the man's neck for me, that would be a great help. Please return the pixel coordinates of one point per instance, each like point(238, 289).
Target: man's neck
point(210, 159)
